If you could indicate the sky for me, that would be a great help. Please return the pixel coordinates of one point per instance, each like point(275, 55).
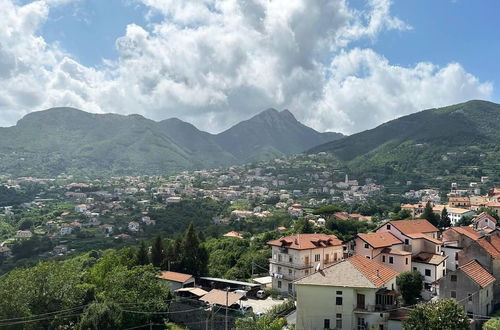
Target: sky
point(337, 65)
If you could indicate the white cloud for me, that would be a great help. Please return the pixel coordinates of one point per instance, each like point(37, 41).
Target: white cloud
point(214, 62)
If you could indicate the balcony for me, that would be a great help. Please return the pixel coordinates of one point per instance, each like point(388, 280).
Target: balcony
point(291, 264)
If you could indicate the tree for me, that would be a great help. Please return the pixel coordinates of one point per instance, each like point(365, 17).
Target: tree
point(193, 255)
point(410, 285)
point(443, 314)
point(158, 254)
point(304, 226)
point(430, 215)
point(445, 221)
point(97, 316)
point(492, 324)
point(141, 257)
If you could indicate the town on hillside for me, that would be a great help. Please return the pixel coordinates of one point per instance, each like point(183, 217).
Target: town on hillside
point(311, 249)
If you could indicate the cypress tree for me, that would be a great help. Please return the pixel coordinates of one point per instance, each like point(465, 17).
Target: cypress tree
point(141, 257)
point(157, 251)
point(445, 221)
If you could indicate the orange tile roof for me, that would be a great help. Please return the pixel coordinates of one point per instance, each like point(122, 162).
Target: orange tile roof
point(424, 236)
point(467, 231)
point(174, 276)
point(395, 252)
point(483, 216)
point(492, 249)
point(493, 204)
point(414, 226)
point(375, 272)
point(306, 241)
point(477, 273)
point(378, 240)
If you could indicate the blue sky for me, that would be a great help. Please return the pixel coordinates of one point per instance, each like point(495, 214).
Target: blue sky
point(338, 65)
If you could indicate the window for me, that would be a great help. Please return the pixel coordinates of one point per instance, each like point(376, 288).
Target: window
point(407, 241)
point(391, 260)
point(338, 301)
point(444, 272)
point(289, 272)
point(317, 257)
point(383, 258)
point(307, 271)
point(487, 293)
point(279, 270)
point(327, 257)
point(339, 292)
point(415, 268)
point(279, 284)
point(290, 287)
point(388, 227)
point(438, 249)
point(406, 261)
point(380, 327)
point(453, 278)
point(456, 255)
point(469, 295)
point(453, 294)
point(335, 256)
point(367, 257)
point(427, 272)
point(367, 246)
point(290, 259)
point(338, 321)
point(326, 324)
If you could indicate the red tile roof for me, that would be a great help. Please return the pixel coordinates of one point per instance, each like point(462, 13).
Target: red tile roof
point(477, 273)
point(174, 277)
point(414, 226)
point(306, 241)
point(375, 272)
point(482, 216)
point(466, 231)
point(429, 258)
point(378, 240)
point(492, 248)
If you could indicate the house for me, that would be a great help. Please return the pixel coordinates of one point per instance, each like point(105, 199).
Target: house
point(296, 210)
point(460, 202)
point(494, 206)
point(65, 230)
point(233, 234)
point(23, 234)
point(133, 226)
point(177, 280)
point(355, 293)
point(484, 220)
point(433, 267)
point(384, 248)
point(60, 249)
point(299, 255)
point(472, 286)
point(5, 251)
point(454, 213)
point(486, 251)
point(81, 208)
point(415, 210)
point(172, 200)
point(459, 236)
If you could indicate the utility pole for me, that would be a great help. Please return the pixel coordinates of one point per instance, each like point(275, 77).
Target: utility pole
point(227, 302)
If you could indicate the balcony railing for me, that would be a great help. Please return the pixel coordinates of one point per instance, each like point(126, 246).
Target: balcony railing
point(291, 264)
point(373, 308)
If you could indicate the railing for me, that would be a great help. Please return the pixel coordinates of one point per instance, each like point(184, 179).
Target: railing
point(373, 308)
point(291, 264)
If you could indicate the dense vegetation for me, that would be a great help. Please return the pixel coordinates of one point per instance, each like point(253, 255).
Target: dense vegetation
point(459, 140)
point(67, 140)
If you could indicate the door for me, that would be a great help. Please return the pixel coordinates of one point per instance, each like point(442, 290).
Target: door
point(360, 301)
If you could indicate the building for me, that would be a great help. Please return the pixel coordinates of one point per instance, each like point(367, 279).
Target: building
point(460, 237)
point(454, 213)
point(355, 293)
point(23, 234)
point(65, 230)
point(433, 267)
point(177, 280)
point(415, 210)
point(460, 202)
point(484, 220)
point(133, 226)
point(299, 255)
point(472, 286)
point(234, 234)
point(384, 248)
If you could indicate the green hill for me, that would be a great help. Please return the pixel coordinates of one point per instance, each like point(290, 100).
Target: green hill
point(67, 140)
point(428, 145)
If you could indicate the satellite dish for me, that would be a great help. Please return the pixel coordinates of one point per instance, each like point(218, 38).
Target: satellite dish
point(317, 267)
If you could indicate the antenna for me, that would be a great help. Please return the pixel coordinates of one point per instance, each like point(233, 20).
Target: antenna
point(317, 267)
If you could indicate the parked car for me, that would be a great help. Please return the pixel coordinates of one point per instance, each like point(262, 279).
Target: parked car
point(261, 294)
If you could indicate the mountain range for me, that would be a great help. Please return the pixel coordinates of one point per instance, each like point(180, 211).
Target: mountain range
point(431, 144)
point(66, 140)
